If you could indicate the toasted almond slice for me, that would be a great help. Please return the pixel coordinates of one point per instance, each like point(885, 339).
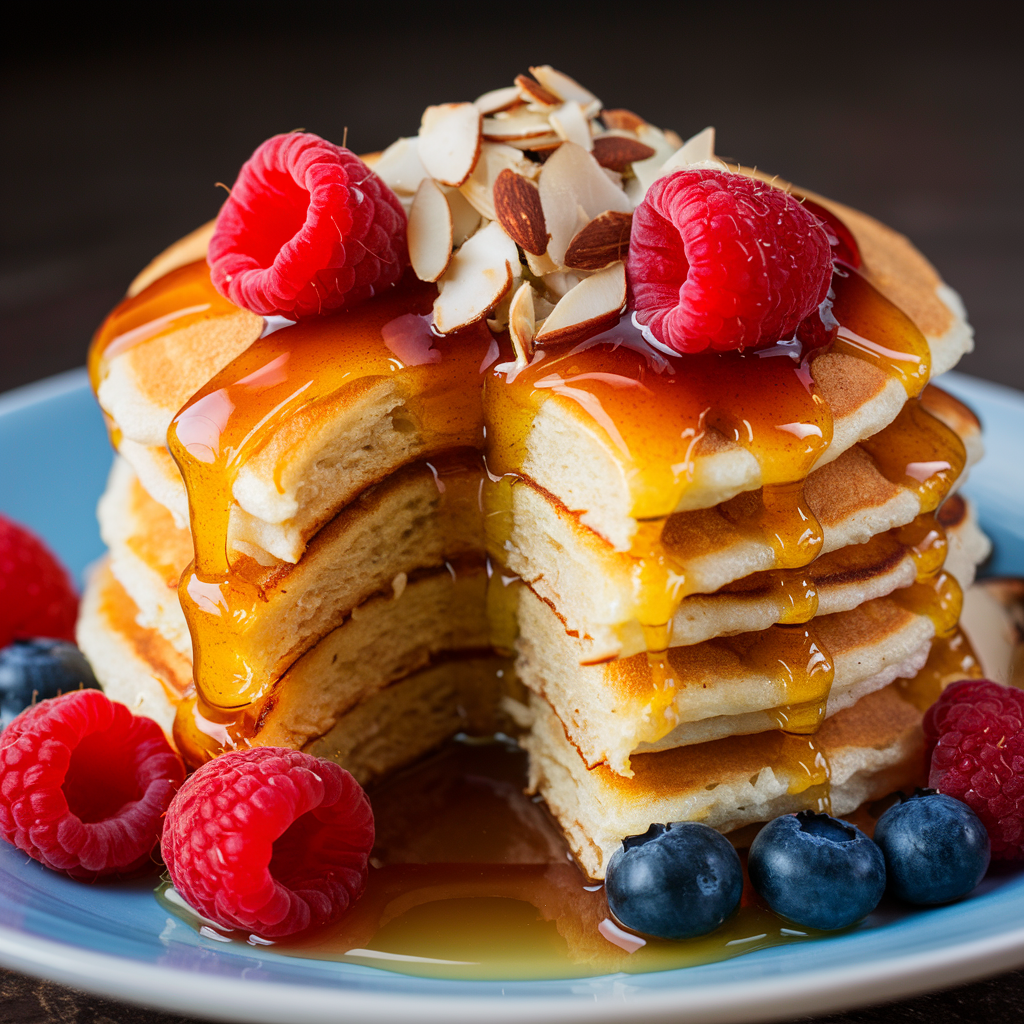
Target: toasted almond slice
point(673, 138)
point(648, 171)
point(603, 241)
point(697, 150)
point(400, 166)
point(539, 143)
point(591, 306)
point(517, 124)
point(465, 217)
point(564, 87)
point(477, 277)
point(622, 120)
point(534, 92)
point(494, 158)
point(450, 141)
point(430, 231)
point(522, 323)
point(540, 265)
point(574, 190)
point(571, 124)
point(518, 210)
point(498, 99)
point(617, 152)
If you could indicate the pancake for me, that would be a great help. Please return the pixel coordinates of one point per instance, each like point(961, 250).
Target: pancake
point(294, 482)
point(339, 698)
point(871, 749)
point(407, 523)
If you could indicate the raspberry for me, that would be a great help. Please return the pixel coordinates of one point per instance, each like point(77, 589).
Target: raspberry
point(975, 735)
point(36, 596)
point(724, 261)
point(308, 228)
point(84, 785)
point(269, 840)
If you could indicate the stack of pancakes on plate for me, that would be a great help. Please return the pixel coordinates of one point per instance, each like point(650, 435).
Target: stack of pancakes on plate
point(356, 537)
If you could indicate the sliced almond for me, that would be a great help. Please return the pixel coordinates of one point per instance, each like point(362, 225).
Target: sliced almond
point(673, 138)
point(591, 306)
point(697, 150)
point(617, 152)
point(571, 124)
point(518, 210)
point(540, 265)
point(603, 241)
point(573, 191)
point(494, 158)
point(498, 99)
point(430, 231)
point(477, 277)
point(562, 86)
point(516, 124)
point(538, 143)
point(534, 92)
point(465, 217)
point(648, 171)
point(400, 166)
point(450, 141)
point(622, 120)
point(522, 323)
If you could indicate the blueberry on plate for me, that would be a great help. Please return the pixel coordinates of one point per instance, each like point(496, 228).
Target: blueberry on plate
point(936, 848)
point(817, 871)
point(675, 881)
point(34, 670)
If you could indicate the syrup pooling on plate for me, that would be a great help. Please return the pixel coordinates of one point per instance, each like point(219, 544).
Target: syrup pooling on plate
point(315, 370)
point(471, 878)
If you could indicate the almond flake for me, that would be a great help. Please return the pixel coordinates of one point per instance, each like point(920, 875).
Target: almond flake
point(477, 278)
point(648, 171)
point(617, 152)
point(517, 124)
point(400, 167)
point(562, 86)
point(698, 151)
point(494, 158)
point(534, 92)
point(622, 120)
point(465, 217)
point(450, 141)
point(522, 323)
point(430, 231)
point(573, 191)
point(603, 241)
point(593, 305)
point(498, 99)
point(571, 125)
point(540, 265)
point(518, 210)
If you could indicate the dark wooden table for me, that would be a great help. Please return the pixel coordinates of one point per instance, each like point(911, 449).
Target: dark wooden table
point(117, 133)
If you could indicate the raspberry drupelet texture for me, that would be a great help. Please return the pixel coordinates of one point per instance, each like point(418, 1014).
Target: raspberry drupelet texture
point(308, 228)
point(722, 261)
point(269, 840)
point(975, 736)
point(84, 785)
point(36, 596)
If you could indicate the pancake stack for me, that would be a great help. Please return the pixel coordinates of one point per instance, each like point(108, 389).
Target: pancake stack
point(695, 587)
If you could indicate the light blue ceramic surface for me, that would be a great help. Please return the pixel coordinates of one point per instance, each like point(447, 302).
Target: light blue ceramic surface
point(118, 941)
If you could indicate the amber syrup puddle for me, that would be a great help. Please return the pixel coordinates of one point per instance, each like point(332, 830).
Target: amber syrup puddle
point(471, 879)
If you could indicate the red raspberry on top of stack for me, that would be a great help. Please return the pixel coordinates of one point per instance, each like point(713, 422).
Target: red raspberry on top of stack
point(722, 261)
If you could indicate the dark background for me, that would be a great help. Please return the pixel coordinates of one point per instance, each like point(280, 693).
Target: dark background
point(117, 130)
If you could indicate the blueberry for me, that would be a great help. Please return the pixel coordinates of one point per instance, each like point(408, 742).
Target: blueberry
point(675, 881)
point(936, 848)
point(33, 670)
point(817, 871)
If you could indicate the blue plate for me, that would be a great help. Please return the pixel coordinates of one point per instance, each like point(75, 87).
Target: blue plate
point(117, 941)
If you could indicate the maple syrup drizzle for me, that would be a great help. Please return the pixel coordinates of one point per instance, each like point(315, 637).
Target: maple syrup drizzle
point(179, 299)
point(951, 658)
